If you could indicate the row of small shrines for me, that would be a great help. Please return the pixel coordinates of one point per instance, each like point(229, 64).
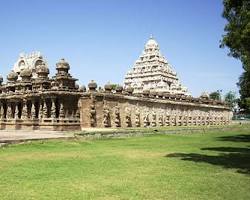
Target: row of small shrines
point(48, 108)
point(31, 111)
point(109, 88)
point(145, 119)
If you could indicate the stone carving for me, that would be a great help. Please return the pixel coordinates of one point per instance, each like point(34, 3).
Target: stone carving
point(56, 102)
point(106, 117)
point(117, 117)
point(24, 110)
point(9, 111)
point(29, 61)
point(153, 123)
point(146, 119)
point(33, 110)
point(128, 117)
point(45, 109)
point(153, 72)
point(16, 112)
point(92, 115)
point(53, 108)
point(41, 110)
point(61, 112)
point(160, 120)
point(1, 112)
point(77, 115)
point(137, 118)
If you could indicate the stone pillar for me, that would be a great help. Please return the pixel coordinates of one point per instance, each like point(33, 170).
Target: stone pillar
point(2, 113)
point(77, 115)
point(33, 110)
point(45, 110)
point(167, 120)
point(16, 111)
point(177, 120)
point(117, 117)
point(137, 118)
point(61, 112)
point(1, 108)
point(160, 120)
point(9, 111)
point(53, 108)
point(106, 117)
point(146, 120)
point(40, 114)
point(92, 114)
point(25, 110)
point(153, 123)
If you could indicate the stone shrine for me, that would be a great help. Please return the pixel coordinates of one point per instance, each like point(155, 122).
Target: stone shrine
point(30, 61)
point(153, 72)
point(152, 96)
point(32, 100)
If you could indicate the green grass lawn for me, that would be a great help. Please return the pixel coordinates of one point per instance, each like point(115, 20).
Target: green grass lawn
point(214, 165)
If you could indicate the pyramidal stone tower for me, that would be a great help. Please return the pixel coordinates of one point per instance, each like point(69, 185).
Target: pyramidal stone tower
point(153, 72)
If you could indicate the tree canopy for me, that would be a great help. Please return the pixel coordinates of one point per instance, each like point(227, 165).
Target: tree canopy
point(230, 99)
point(215, 95)
point(237, 39)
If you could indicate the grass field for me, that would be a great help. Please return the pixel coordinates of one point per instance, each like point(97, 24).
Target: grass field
point(214, 165)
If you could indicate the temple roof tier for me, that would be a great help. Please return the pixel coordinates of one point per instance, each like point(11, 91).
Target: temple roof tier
point(153, 72)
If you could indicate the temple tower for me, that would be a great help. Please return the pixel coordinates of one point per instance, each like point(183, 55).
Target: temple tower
point(30, 61)
point(153, 72)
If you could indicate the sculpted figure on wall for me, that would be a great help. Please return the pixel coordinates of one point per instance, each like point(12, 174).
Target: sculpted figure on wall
point(160, 120)
point(137, 118)
point(92, 115)
point(106, 117)
point(153, 123)
point(128, 117)
point(117, 117)
point(146, 121)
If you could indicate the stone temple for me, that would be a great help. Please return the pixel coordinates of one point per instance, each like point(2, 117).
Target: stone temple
point(31, 99)
point(30, 61)
point(153, 72)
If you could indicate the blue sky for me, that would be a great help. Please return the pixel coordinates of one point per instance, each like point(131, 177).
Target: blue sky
point(101, 39)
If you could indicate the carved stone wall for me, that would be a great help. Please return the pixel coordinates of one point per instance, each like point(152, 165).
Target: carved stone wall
point(39, 102)
point(124, 110)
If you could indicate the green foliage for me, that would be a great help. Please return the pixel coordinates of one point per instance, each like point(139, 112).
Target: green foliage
point(215, 95)
point(237, 39)
point(214, 165)
point(244, 84)
point(114, 86)
point(230, 99)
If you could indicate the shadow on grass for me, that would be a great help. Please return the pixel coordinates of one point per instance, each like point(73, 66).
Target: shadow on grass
point(235, 138)
point(238, 161)
point(228, 157)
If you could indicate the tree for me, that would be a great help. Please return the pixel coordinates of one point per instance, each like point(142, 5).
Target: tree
point(215, 95)
point(244, 84)
point(230, 99)
point(237, 39)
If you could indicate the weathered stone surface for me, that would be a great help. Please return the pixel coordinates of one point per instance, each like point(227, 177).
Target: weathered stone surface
point(153, 72)
point(31, 100)
point(123, 110)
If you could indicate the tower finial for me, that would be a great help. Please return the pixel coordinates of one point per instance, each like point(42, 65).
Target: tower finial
point(151, 36)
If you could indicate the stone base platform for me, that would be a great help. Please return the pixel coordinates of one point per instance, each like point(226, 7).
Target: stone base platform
point(45, 124)
point(12, 136)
